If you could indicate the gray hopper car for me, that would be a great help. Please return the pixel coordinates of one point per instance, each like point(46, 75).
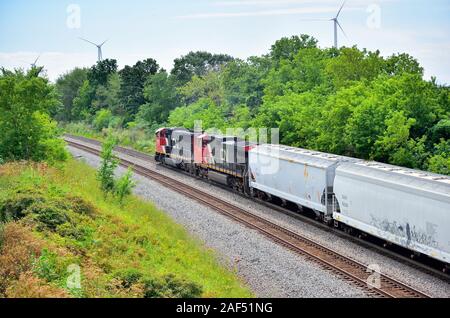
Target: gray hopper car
point(407, 207)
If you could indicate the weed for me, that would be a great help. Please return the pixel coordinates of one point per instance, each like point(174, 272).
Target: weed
point(124, 186)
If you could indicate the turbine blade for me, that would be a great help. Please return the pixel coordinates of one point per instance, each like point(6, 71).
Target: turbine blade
point(88, 41)
point(103, 43)
point(339, 12)
point(341, 28)
point(37, 59)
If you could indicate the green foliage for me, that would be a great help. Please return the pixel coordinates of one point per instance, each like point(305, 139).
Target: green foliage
point(100, 72)
point(46, 266)
point(170, 286)
point(354, 65)
point(82, 102)
point(68, 86)
point(242, 81)
point(103, 118)
point(107, 96)
point(287, 48)
point(161, 97)
point(124, 185)
point(205, 109)
point(132, 86)
point(440, 161)
point(105, 173)
point(207, 86)
point(26, 131)
point(197, 63)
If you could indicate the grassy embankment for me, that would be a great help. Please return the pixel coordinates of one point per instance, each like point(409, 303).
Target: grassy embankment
point(54, 220)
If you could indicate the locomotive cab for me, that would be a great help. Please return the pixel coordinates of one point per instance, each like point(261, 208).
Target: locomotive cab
point(162, 149)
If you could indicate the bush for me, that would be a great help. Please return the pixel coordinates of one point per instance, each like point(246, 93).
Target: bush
point(63, 215)
point(102, 119)
point(124, 186)
point(105, 173)
point(26, 129)
point(17, 206)
point(170, 286)
point(128, 277)
point(46, 266)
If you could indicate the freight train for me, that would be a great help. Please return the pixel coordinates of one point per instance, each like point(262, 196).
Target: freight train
point(404, 207)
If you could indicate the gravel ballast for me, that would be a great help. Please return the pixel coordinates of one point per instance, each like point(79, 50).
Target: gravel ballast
point(271, 271)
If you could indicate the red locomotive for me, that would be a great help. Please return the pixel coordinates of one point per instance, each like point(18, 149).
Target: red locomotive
point(218, 158)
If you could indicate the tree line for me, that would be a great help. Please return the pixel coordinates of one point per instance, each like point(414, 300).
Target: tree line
point(345, 101)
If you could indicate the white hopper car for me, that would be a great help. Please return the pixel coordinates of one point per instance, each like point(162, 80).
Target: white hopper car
point(406, 207)
point(402, 206)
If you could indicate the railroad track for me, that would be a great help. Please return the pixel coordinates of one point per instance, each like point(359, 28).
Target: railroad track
point(374, 284)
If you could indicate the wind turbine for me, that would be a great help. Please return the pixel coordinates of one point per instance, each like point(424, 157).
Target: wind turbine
point(33, 64)
point(99, 48)
point(336, 24)
point(35, 61)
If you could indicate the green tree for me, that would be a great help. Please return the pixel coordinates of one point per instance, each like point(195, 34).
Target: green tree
point(305, 71)
point(105, 173)
point(205, 110)
point(100, 72)
point(287, 48)
point(26, 130)
point(197, 63)
point(398, 64)
point(161, 97)
point(242, 81)
point(107, 96)
point(207, 86)
point(83, 101)
point(439, 162)
point(132, 86)
point(353, 65)
point(68, 86)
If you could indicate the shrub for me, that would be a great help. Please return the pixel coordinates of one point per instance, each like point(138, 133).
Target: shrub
point(16, 207)
point(45, 266)
point(169, 286)
point(81, 206)
point(105, 173)
point(128, 277)
point(124, 185)
point(48, 214)
point(102, 119)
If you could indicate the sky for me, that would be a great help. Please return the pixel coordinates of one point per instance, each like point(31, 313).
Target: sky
point(167, 29)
